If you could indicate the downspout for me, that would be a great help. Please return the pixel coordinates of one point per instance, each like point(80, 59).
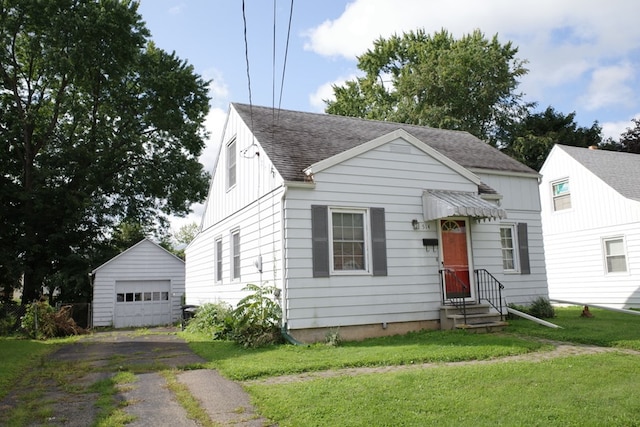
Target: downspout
point(284, 327)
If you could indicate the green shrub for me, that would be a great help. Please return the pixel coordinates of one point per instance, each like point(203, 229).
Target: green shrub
point(6, 324)
point(39, 321)
point(211, 319)
point(541, 308)
point(257, 318)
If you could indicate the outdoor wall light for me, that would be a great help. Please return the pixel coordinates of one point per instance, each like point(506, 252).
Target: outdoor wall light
point(415, 224)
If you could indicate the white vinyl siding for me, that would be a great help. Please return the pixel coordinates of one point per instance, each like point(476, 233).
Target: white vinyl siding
point(574, 241)
point(614, 255)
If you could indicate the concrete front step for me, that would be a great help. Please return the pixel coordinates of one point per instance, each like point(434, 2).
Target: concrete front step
point(483, 327)
point(478, 317)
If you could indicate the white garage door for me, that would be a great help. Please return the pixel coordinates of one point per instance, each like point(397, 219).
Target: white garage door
point(142, 303)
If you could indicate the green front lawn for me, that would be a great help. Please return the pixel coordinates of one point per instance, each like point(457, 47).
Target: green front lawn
point(239, 363)
point(606, 328)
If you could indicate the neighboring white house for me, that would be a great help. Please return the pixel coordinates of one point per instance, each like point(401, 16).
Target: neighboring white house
point(142, 286)
point(359, 222)
point(591, 223)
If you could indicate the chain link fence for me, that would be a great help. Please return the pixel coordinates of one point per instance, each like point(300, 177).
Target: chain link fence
point(11, 318)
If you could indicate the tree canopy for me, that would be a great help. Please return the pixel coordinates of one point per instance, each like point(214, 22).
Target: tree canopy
point(98, 127)
point(531, 139)
point(435, 80)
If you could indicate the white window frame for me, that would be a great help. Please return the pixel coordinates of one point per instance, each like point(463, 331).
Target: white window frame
point(606, 255)
point(218, 259)
point(566, 194)
point(235, 256)
point(232, 160)
point(514, 248)
point(366, 241)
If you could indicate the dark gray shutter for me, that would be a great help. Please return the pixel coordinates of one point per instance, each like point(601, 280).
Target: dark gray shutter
point(320, 240)
point(378, 242)
point(523, 248)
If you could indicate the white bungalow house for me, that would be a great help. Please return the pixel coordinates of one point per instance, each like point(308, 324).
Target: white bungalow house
point(364, 225)
point(141, 286)
point(591, 224)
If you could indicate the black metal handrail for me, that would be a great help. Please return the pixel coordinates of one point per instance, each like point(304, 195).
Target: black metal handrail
point(489, 289)
point(448, 276)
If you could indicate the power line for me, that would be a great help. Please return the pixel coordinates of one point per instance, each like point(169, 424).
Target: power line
point(246, 56)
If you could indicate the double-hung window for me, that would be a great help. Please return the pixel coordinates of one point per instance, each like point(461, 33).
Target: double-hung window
point(231, 164)
point(218, 260)
point(561, 195)
point(348, 238)
point(514, 242)
point(235, 255)
point(615, 255)
point(348, 241)
point(508, 244)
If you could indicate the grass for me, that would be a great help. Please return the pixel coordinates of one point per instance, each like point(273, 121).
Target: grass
point(590, 390)
point(185, 399)
point(606, 328)
point(17, 355)
point(110, 412)
point(238, 363)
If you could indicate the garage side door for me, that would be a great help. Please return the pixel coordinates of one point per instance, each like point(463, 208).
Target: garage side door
point(142, 303)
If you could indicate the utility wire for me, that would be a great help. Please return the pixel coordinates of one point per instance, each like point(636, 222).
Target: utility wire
point(246, 56)
point(286, 51)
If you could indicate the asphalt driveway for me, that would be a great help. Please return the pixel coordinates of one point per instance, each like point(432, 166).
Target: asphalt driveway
point(71, 401)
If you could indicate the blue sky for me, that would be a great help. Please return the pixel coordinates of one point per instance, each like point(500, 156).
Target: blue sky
point(583, 55)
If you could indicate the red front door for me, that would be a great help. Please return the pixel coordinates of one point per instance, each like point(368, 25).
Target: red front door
point(455, 258)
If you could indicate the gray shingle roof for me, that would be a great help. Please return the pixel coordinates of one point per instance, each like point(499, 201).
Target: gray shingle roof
point(621, 171)
point(295, 140)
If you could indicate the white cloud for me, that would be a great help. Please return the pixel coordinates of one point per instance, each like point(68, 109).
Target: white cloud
point(610, 86)
point(563, 41)
point(325, 92)
point(615, 129)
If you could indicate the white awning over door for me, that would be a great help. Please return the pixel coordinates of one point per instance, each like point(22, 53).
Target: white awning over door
point(442, 204)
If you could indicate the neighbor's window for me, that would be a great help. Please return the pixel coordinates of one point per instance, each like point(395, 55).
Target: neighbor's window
point(508, 243)
point(614, 253)
point(235, 254)
point(348, 237)
point(231, 164)
point(561, 195)
point(219, 260)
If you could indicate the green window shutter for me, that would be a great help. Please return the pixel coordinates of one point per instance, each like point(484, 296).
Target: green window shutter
point(378, 242)
point(320, 240)
point(523, 248)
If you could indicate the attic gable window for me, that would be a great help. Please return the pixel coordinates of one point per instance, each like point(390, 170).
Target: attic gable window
point(231, 164)
point(561, 195)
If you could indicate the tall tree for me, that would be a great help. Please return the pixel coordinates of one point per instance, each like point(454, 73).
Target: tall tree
point(630, 139)
point(530, 140)
point(467, 84)
point(98, 126)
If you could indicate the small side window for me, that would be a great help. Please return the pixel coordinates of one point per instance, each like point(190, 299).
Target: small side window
point(561, 195)
point(615, 255)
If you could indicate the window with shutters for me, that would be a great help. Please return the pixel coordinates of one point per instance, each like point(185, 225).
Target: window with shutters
point(514, 242)
point(348, 241)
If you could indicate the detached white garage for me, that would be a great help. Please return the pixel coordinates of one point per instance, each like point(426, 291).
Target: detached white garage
point(142, 286)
